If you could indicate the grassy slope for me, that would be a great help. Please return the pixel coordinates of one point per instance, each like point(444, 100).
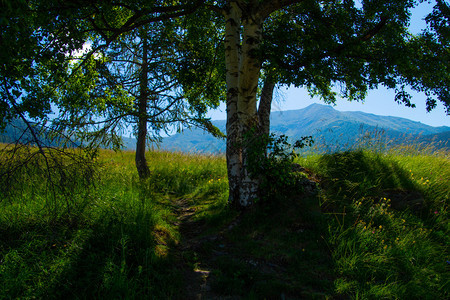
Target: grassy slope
point(377, 228)
point(390, 234)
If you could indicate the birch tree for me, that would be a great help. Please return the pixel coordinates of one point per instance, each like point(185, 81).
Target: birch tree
point(333, 48)
point(323, 45)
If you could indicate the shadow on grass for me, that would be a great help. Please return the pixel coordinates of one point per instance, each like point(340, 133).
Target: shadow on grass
point(271, 251)
point(122, 254)
point(380, 230)
point(283, 250)
point(350, 176)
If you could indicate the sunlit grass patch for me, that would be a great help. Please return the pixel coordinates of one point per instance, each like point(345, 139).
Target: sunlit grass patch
point(119, 244)
point(377, 228)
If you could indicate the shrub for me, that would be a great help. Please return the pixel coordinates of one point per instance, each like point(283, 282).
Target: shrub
point(270, 160)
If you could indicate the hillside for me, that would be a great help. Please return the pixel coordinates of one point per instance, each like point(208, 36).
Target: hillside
point(328, 127)
point(18, 131)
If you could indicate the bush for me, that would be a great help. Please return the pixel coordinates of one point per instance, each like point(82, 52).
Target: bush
point(270, 160)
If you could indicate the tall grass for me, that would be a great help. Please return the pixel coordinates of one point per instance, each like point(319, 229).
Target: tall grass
point(388, 221)
point(120, 245)
point(378, 228)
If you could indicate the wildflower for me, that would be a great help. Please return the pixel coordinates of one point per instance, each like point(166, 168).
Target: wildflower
point(385, 247)
point(380, 227)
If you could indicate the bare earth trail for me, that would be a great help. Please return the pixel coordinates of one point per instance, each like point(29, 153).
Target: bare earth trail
point(194, 261)
point(275, 252)
point(221, 264)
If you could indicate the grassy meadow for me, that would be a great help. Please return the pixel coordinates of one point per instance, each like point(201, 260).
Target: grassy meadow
point(377, 228)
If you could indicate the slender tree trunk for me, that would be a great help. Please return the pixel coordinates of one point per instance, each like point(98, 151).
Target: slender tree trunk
point(232, 60)
point(248, 118)
point(141, 162)
point(265, 104)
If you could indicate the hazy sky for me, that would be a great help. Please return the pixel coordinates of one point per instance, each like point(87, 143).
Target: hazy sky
point(380, 102)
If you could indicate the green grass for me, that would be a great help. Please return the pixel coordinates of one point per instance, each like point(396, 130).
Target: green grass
point(119, 241)
point(388, 223)
point(378, 228)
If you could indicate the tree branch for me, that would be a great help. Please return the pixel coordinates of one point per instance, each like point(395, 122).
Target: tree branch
point(339, 49)
point(270, 6)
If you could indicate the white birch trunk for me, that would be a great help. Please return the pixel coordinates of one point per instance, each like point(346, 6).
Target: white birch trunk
point(242, 74)
point(248, 85)
point(232, 55)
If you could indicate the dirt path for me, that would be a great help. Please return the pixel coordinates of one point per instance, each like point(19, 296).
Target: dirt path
point(218, 264)
point(196, 268)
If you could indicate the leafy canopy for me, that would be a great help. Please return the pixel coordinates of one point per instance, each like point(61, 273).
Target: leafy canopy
point(337, 45)
point(323, 45)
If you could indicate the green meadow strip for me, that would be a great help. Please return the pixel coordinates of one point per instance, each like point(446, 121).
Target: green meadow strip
point(377, 228)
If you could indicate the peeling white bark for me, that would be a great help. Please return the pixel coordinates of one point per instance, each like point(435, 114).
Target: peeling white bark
point(232, 56)
point(243, 71)
point(248, 86)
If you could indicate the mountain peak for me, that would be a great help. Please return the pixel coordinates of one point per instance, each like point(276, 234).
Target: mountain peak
point(317, 105)
point(323, 122)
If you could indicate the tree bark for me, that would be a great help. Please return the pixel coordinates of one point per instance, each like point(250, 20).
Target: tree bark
point(242, 74)
point(141, 162)
point(247, 111)
point(265, 104)
point(232, 60)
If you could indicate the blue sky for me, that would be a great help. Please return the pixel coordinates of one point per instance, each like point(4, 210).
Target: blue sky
point(380, 102)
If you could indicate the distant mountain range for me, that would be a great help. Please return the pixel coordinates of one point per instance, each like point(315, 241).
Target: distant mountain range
point(17, 130)
point(331, 130)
